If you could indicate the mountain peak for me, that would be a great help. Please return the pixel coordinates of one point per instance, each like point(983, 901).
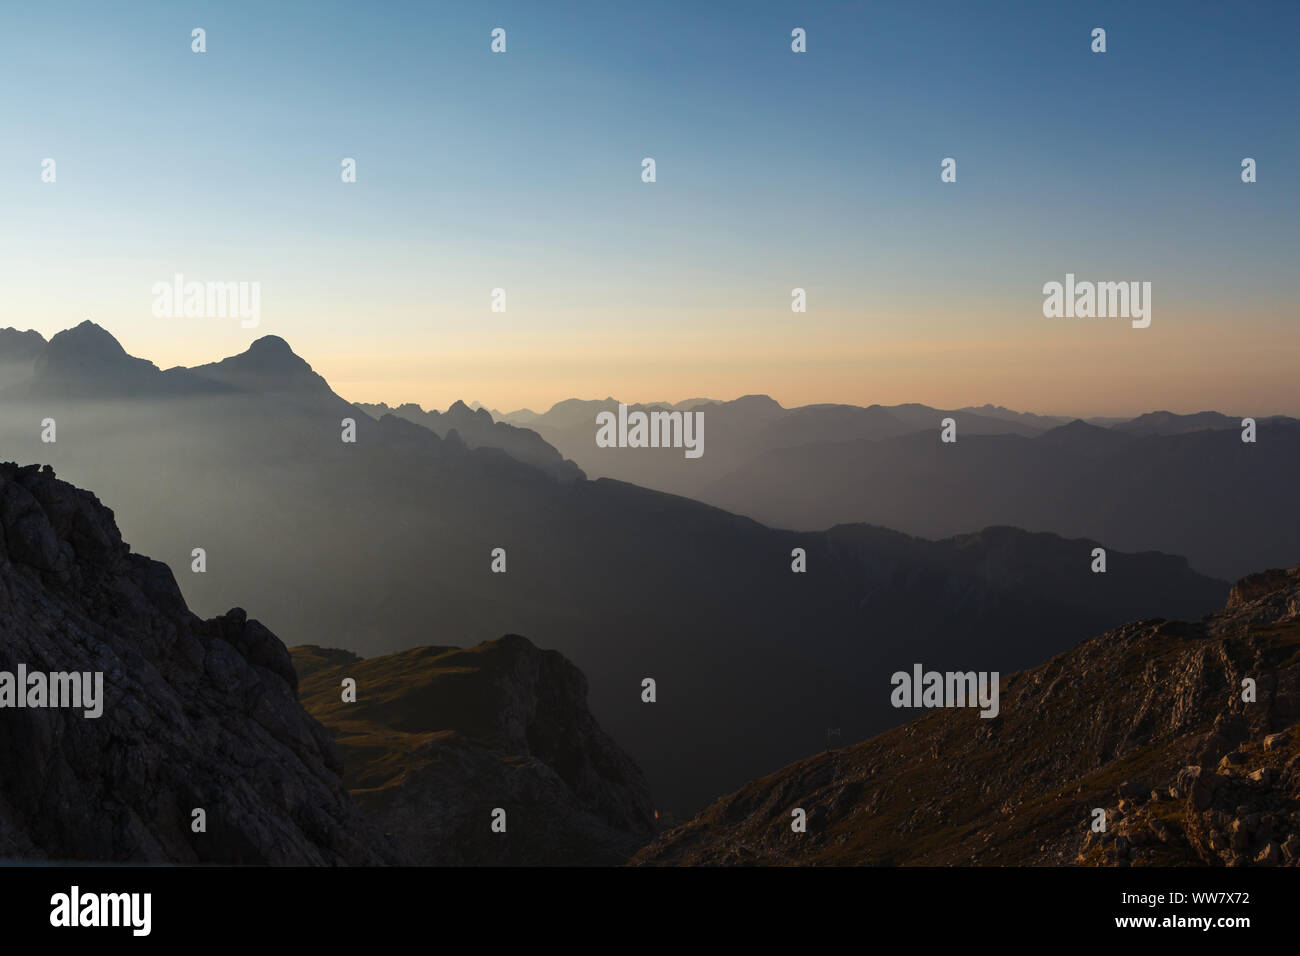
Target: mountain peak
point(88, 339)
point(460, 411)
point(268, 355)
point(88, 358)
point(1082, 436)
point(270, 345)
point(268, 364)
point(17, 346)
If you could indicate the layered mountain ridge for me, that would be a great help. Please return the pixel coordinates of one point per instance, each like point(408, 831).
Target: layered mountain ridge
point(1185, 735)
point(1185, 484)
point(476, 428)
point(202, 753)
point(344, 530)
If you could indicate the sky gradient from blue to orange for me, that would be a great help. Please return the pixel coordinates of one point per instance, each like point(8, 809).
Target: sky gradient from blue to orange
point(775, 170)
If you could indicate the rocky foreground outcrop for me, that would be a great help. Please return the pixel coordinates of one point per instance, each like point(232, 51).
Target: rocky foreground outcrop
point(196, 714)
point(439, 739)
point(1150, 723)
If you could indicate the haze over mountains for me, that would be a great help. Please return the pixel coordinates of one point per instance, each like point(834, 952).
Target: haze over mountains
point(215, 718)
point(476, 427)
point(1185, 484)
point(385, 544)
point(193, 714)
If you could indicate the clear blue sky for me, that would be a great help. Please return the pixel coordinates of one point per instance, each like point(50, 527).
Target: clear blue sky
point(774, 170)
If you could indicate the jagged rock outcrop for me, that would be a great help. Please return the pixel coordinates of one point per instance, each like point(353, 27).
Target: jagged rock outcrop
point(195, 714)
point(1274, 588)
point(439, 737)
point(1150, 722)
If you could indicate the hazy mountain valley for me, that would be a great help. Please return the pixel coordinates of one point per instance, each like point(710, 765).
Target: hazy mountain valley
point(1183, 484)
point(1148, 724)
point(386, 543)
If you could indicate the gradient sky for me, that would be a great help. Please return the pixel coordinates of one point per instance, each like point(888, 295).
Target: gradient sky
point(775, 170)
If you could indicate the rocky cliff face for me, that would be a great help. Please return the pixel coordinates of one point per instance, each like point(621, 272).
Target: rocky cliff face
point(1148, 722)
point(439, 738)
point(196, 714)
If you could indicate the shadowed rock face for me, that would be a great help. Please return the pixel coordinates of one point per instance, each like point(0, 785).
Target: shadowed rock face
point(196, 714)
point(440, 737)
point(1147, 722)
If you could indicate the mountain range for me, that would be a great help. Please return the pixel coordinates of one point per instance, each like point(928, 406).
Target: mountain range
point(211, 742)
point(201, 746)
point(1146, 730)
point(477, 429)
point(195, 716)
point(387, 543)
point(1185, 484)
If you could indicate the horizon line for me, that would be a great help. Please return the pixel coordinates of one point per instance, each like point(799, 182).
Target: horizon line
point(475, 403)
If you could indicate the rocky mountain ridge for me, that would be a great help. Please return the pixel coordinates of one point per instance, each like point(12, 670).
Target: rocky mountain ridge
point(252, 459)
point(205, 716)
point(196, 714)
point(440, 738)
point(1151, 723)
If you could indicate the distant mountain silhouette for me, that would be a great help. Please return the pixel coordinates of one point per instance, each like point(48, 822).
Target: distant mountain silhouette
point(1167, 423)
point(268, 365)
point(1079, 436)
point(20, 349)
point(1146, 722)
point(811, 467)
point(736, 433)
point(476, 429)
point(1225, 504)
point(1041, 422)
point(387, 543)
point(87, 362)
